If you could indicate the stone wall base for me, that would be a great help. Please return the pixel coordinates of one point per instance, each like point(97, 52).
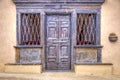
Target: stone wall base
point(80, 69)
point(23, 68)
point(94, 69)
point(2, 67)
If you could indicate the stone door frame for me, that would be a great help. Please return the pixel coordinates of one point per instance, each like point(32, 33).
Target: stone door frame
point(60, 12)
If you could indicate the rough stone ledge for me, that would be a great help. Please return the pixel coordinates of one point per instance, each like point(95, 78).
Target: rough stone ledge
point(88, 46)
point(93, 63)
point(20, 64)
point(28, 46)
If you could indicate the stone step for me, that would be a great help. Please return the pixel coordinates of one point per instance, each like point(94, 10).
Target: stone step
point(17, 68)
point(94, 69)
point(54, 76)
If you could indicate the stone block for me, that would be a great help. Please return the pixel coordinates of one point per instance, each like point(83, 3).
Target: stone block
point(23, 68)
point(94, 69)
point(86, 55)
point(30, 56)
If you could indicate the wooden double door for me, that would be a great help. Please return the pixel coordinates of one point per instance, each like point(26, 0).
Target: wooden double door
point(58, 54)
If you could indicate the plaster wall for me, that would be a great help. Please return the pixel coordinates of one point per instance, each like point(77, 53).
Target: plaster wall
point(110, 21)
point(23, 68)
point(93, 70)
point(7, 32)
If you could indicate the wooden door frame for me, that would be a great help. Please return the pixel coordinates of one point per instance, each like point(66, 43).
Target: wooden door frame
point(70, 13)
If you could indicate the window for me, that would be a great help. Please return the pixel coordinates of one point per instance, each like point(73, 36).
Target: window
point(30, 29)
point(86, 29)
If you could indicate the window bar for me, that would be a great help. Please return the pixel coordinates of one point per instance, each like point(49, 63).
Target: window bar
point(86, 29)
point(30, 29)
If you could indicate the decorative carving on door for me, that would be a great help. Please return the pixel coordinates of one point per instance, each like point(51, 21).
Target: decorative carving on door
point(58, 55)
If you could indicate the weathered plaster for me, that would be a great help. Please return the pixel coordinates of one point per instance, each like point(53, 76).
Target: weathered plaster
point(110, 23)
point(7, 31)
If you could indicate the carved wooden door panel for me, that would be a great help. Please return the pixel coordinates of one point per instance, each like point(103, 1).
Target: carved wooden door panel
point(58, 55)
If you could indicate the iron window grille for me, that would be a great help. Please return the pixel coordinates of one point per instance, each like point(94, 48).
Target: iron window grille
point(86, 29)
point(30, 29)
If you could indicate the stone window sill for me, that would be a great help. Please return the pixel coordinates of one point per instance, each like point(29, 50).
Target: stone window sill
point(28, 46)
point(88, 46)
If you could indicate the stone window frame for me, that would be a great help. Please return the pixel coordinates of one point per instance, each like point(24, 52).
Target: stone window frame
point(98, 46)
point(96, 11)
point(18, 28)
